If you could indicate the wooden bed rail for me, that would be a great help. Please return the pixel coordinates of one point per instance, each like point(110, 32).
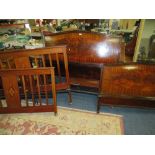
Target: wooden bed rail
point(24, 91)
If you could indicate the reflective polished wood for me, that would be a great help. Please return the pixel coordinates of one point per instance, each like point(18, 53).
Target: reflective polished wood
point(128, 84)
point(87, 51)
point(40, 58)
point(85, 47)
point(34, 99)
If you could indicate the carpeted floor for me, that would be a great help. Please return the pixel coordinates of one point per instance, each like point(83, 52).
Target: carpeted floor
point(136, 121)
point(67, 122)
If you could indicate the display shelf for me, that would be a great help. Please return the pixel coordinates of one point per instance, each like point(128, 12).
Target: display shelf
point(13, 25)
point(19, 35)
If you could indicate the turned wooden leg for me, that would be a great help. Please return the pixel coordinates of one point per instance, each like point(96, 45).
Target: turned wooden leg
point(69, 96)
point(98, 105)
point(1, 103)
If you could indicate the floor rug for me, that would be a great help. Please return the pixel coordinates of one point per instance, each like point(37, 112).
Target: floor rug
point(67, 122)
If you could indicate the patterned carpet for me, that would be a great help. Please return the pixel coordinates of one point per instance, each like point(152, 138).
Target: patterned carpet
point(67, 122)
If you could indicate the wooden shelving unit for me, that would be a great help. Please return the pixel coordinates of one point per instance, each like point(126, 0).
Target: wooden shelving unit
point(13, 25)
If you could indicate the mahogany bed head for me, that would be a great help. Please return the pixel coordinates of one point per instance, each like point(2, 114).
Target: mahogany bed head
point(88, 47)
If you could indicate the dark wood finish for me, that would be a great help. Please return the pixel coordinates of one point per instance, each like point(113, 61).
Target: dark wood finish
point(87, 51)
point(88, 47)
point(45, 57)
point(13, 94)
point(13, 26)
point(10, 86)
point(128, 84)
point(85, 74)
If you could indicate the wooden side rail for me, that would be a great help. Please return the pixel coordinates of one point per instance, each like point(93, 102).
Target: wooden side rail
point(127, 84)
point(28, 97)
point(46, 57)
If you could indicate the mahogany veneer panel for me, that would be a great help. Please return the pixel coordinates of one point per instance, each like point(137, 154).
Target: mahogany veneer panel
point(128, 84)
point(83, 46)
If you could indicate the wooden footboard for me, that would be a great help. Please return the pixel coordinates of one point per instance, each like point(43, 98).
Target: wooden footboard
point(24, 90)
point(128, 84)
point(40, 58)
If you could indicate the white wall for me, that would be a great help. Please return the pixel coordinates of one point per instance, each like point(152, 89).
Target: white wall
point(149, 29)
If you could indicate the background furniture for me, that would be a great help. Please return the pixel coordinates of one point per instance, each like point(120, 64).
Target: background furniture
point(19, 36)
point(130, 46)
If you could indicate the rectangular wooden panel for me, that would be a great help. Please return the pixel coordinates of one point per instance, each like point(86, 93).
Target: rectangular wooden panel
point(130, 80)
point(14, 91)
point(22, 62)
point(11, 90)
point(128, 85)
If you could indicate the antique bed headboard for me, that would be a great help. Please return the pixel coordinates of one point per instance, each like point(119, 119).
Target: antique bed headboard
point(87, 51)
point(88, 47)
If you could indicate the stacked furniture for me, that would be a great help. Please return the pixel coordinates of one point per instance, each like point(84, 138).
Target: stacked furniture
point(98, 61)
point(96, 64)
point(41, 82)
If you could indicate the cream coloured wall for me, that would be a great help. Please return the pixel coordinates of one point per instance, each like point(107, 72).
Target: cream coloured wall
point(149, 30)
point(127, 23)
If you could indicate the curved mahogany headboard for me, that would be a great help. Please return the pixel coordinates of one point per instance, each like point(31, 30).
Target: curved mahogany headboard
point(88, 47)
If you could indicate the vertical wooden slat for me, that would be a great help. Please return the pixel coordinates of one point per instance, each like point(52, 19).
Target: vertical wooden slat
point(25, 91)
point(50, 59)
point(38, 87)
point(54, 90)
point(43, 60)
point(45, 89)
point(58, 67)
point(67, 76)
point(36, 61)
point(8, 63)
point(31, 87)
point(66, 67)
point(1, 64)
point(45, 82)
point(1, 105)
